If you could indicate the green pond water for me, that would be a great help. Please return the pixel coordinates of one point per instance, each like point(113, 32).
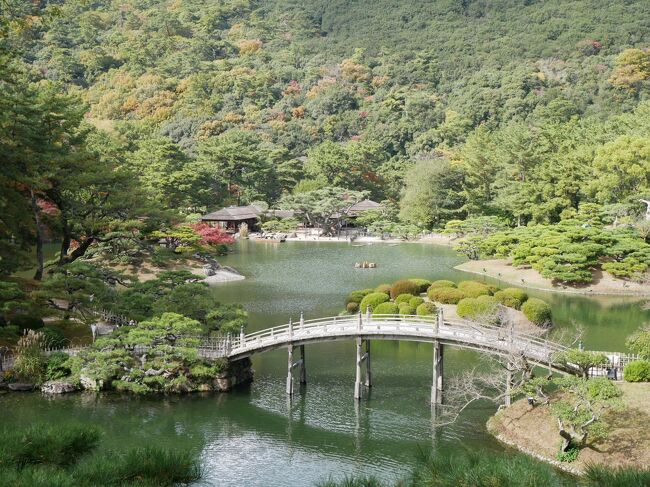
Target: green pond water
point(256, 436)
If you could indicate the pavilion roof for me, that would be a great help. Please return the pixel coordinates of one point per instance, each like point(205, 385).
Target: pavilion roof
point(233, 213)
point(365, 205)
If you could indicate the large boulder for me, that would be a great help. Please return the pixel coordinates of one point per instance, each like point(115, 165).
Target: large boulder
point(58, 387)
point(236, 373)
point(90, 384)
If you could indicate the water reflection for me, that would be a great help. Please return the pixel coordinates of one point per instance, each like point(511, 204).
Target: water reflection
point(257, 436)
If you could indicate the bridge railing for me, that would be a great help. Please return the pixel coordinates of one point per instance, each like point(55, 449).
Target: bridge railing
point(477, 333)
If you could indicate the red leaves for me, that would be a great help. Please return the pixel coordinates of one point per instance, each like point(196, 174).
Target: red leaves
point(212, 235)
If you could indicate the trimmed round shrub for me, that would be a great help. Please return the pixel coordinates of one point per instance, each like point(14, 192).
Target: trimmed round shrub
point(357, 296)
point(423, 284)
point(352, 308)
point(27, 322)
point(403, 298)
point(442, 283)
point(373, 300)
point(474, 289)
point(511, 297)
point(404, 286)
point(416, 301)
point(426, 309)
point(383, 288)
point(406, 309)
point(477, 307)
point(386, 308)
point(637, 371)
point(445, 295)
point(537, 311)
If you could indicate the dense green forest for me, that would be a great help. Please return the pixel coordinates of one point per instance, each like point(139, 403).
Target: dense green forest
point(122, 118)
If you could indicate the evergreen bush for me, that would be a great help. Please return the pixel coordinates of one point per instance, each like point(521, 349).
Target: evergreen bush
point(404, 286)
point(426, 309)
point(637, 371)
point(483, 306)
point(511, 297)
point(537, 311)
point(383, 288)
point(386, 308)
point(357, 296)
point(352, 308)
point(406, 309)
point(416, 301)
point(373, 300)
point(442, 283)
point(445, 295)
point(474, 289)
point(27, 322)
point(403, 298)
point(423, 284)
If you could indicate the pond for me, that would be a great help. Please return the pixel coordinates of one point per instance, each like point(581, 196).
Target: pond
point(256, 436)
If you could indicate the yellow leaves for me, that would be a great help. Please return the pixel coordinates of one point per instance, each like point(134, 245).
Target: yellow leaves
point(182, 85)
point(378, 81)
point(249, 46)
point(210, 128)
point(236, 31)
point(632, 68)
point(158, 107)
point(298, 112)
point(130, 105)
point(321, 86)
point(174, 5)
point(354, 72)
point(232, 117)
point(278, 125)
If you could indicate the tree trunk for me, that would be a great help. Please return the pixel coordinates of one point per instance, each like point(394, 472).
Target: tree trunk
point(38, 275)
point(567, 439)
point(66, 241)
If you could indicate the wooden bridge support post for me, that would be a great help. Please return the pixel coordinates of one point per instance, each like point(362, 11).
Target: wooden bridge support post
point(357, 382)
point(290, 370)
point(368, 371)
point(303, 369)
point(508, 396)
point(437, 385)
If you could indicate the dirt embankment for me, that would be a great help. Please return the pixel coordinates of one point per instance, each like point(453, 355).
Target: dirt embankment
point(534, 431)
point(148, 271)
point(603, 284)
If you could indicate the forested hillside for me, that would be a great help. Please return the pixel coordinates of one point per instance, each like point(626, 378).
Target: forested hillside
point(517, 109)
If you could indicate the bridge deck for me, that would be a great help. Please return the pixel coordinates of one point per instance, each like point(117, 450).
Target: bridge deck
point(466, 334)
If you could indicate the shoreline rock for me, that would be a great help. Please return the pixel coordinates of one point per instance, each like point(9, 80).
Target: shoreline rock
point(20, 387)
point(58, 387)
point(235, 374)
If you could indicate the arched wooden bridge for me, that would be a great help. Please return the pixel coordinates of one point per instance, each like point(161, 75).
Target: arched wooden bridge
point(500, 341)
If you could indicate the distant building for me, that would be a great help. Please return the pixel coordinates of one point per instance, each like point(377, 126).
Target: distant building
point(232, 217)
point(365, 205)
